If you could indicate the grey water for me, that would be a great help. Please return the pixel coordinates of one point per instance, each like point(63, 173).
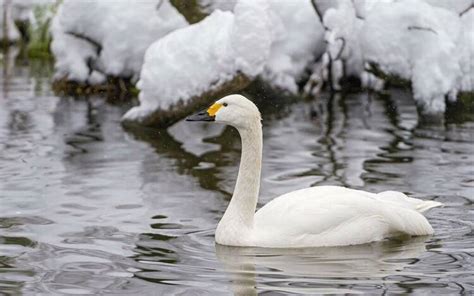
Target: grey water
point(89, 208)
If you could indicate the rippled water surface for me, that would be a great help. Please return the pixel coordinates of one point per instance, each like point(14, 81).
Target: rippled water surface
point(87, 207)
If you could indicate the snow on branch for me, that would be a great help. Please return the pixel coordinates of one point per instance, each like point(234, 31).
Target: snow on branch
point(466, 10)
point(410, 28)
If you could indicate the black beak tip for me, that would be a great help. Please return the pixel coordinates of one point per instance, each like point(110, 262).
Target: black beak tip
point(200, 116)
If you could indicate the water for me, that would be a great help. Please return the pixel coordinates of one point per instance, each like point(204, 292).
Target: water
point(88, 208)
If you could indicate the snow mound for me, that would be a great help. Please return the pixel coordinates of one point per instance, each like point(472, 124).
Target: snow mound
point(275, 40)
point(415, 41)
point(298, 40)
point(203, 56)
point(343, 39)
point(94, 39)
point(466, 51)
point(425, 42)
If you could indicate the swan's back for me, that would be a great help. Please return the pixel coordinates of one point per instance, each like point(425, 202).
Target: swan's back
point(332, 215)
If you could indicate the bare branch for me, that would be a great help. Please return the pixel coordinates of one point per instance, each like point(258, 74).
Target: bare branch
point(338, 56)
point(356, 12)
point(410, 28)
point(159, 5)
point(96, 44)
point(466, 10)
point(317, 10)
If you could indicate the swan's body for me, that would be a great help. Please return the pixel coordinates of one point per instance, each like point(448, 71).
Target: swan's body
point(317, 216)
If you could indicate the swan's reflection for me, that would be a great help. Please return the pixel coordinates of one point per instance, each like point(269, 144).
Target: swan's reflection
point(251, 269)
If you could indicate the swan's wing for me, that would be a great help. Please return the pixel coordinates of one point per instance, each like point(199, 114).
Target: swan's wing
point(330, 215)
point(407, 202)
point(316, 211)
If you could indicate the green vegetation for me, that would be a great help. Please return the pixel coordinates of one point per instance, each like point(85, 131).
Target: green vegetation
point(39, 34)
point(192, 11)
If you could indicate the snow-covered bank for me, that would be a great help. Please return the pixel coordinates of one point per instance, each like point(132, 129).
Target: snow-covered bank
point(259, 38)
point(421, 47)
point(95, 39)
point(202, 57)
point(427, 43)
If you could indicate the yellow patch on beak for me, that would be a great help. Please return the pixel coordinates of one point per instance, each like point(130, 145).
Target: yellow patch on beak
point(213, 109)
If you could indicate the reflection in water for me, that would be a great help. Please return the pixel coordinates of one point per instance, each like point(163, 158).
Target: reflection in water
point(316, 268)
point(89, 208)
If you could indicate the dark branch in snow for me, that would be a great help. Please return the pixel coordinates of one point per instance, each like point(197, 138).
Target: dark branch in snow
point(91, 62)
point(338, 56)
point(356, 12)
point(96, 44)
point(159, 5)
point(94, 65)
point(373, 68)
point(410, 28)
point(466, 10)
point(330, 76)
point(318, 12)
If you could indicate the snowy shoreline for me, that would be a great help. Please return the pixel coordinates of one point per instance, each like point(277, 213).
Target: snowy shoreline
point(297, 47)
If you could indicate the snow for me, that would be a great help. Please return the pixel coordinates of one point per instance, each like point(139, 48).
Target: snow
point(259, 38)
point(189, 61)
point(210, 5)
point(343, 37)
point(6, 18)
point(22, 10)
point(119, 32)
point(72, 54)
point(466, 52)
point(420, 47)
point(298, 40)
point(427, 44)
point(456, 6)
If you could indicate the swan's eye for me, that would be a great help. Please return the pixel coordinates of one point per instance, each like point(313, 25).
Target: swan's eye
point(225, 104)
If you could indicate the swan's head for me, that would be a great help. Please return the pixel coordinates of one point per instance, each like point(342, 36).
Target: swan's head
point(235, 110)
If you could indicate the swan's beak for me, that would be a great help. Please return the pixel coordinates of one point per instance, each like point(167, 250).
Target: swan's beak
point(201, 116)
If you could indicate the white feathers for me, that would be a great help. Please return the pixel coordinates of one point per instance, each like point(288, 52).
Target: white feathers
point(317, 216)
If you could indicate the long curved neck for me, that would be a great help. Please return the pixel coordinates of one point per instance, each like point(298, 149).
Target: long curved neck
point(242, 206)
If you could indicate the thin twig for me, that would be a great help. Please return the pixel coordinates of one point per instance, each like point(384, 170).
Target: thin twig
point(317, 10)
point(159, 5)
point(422, 29)
point(466, 10)
point(96, 44)
point(338, 56)
point(356, 12)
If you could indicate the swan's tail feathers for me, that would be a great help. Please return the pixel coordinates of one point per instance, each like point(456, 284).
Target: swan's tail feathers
point(408, 221)
point(408, 202)
point(426, 205)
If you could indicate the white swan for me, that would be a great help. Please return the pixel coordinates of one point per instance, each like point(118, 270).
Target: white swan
point(316, 216)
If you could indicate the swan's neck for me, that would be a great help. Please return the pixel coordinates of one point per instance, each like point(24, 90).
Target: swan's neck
point(241, 209)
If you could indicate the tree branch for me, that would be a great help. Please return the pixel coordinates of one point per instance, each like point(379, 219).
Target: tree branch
point(410, 28)
point(466, 10)
point(94, 43)
point(339, 54)
point(317, 10)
